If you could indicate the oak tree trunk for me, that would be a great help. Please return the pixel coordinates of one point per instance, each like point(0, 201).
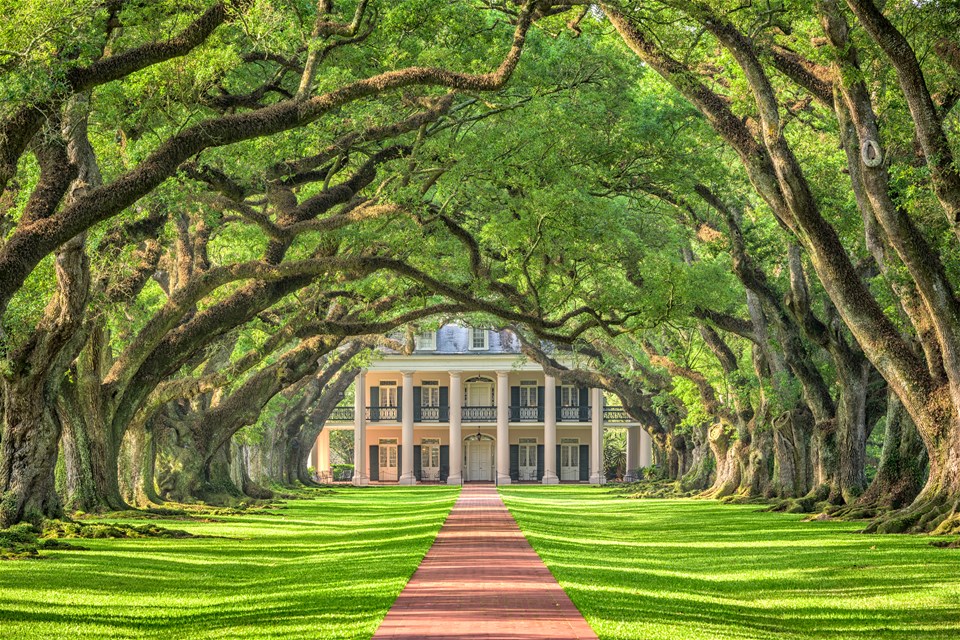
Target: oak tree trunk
point(729, 453)
point(792, 471)
point(136, 468)
point(31, 425)
point(29, 454)
point(825, 461)
point(703, 466)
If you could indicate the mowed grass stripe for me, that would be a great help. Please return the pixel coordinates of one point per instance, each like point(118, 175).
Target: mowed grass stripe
point(689, 569)
point(324, 568)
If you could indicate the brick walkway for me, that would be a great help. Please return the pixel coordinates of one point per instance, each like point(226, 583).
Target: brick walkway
point(482, 579)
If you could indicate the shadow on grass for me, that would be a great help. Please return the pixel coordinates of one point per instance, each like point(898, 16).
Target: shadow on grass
point(328, 568)
point(698, 569)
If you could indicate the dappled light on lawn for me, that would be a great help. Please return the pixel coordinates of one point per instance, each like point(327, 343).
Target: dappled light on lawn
point(324, 568)
point(689, 569)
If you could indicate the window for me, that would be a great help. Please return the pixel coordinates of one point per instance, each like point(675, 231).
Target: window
point(478, 339)
point(429, 394)
point(426, 341)
point(388, 394)
point(528, 393)
point(569, 396)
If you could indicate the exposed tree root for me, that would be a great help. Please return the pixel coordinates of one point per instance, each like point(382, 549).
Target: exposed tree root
point(937, 516)
point(859, 510)
point(62, 529)
point(744, 498)
point(652, 489)
point(25, 541)
point(793, 505)
point(822, 499)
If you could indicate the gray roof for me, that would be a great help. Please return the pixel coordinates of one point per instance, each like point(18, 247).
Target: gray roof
point(454, 339)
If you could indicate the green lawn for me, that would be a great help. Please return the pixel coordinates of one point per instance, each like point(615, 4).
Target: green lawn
point(637, 569)
point(323, 568)
point(687, 569)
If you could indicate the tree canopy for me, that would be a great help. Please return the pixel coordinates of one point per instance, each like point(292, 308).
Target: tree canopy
point(739, 218)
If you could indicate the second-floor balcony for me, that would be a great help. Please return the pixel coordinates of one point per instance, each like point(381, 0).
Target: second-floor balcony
point(341, 413)
point(345, 413)
point(478, 414)
point(577, 413)
point(383, 414)
point(526, 414)
point(612, 414)
point(431, 414)
point(615, 414)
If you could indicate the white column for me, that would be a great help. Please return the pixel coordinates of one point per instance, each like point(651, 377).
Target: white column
point(503, 427)
point(361, 477)
point(456, 435)
point(550, 431)
point(596, 438)
point(406, 431)
point(646, 448)
point(323, 451)
point(633, 453)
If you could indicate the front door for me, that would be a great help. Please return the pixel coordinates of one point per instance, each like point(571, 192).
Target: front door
point(430, 459)
point(388, 460)
point(570, 460)
point(528, 459)
point(478, 461)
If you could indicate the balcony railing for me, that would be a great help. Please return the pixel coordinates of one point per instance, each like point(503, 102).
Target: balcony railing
point(615, 414)
point(479, 414)
point(526, 414)
point(341, 414)
point(382, 414)
point(611, 414)
point(574, 414)
point(431, 414)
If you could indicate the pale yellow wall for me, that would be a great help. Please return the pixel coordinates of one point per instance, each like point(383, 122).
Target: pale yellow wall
point(375, 377)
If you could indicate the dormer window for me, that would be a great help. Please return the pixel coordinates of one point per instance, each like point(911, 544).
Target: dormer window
point(478, 340)
point(426, 341)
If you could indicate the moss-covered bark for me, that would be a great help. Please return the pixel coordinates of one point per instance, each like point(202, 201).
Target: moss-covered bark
point(730, 455)
point(902, 468)
point(793, 469)
point(700, 475)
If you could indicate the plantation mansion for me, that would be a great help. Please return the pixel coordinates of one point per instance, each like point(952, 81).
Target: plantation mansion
point(466, 406)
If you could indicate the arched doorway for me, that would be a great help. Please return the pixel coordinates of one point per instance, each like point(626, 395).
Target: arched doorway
point(478, 458)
